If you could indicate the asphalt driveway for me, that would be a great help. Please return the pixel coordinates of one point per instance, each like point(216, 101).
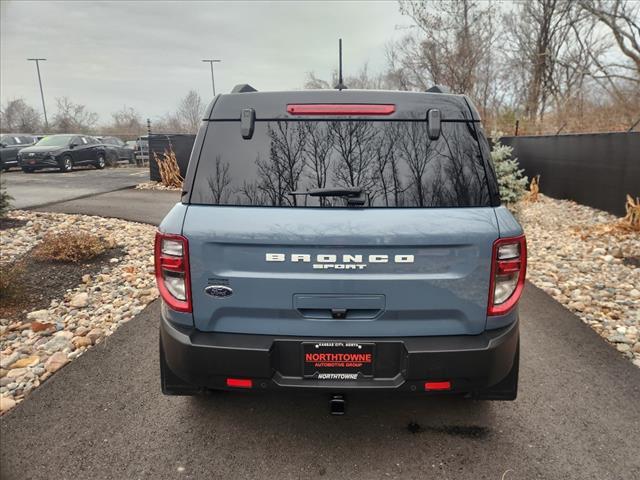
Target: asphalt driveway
point(145, 206)
point(45, 187)
point(103, 416)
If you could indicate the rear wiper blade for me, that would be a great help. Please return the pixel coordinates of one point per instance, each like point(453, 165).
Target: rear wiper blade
point(331, 192)
point(353, 195)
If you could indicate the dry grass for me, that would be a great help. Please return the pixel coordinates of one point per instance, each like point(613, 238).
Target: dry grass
point(632, 218)
point(577, 115)
point(534, 190)
point(625, 227)
point(169, 169)
point(70, 246)
point(10, 282)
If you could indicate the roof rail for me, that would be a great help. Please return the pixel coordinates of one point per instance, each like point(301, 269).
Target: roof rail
point(243, 88)
point(439, 89)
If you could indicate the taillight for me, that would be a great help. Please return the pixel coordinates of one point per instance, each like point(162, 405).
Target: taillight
point(508, 269)
point(172, 271)
point(340, 109)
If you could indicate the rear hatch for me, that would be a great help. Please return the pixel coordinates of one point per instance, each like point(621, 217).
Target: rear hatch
point(417, 271)
point(414, 260)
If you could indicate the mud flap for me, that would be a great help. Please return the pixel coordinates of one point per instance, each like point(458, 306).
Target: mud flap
point(507, 388)
point(172, 384)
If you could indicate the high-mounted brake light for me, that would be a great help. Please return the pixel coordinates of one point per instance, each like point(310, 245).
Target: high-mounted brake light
point(172, 271)
point(340, 109)
point(508, 270)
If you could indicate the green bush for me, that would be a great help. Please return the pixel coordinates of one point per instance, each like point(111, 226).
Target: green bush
point(5, 200)
point(512, 182)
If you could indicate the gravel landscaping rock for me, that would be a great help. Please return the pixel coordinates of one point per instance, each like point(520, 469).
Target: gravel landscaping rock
point(80, 300)
point(33, 350)
point(156, 186)
point(591, 268)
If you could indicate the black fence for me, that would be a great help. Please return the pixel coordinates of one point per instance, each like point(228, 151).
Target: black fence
point(593, 169)
point(181, 145)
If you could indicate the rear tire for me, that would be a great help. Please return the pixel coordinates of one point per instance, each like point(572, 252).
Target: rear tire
point(67, 164)
point(171, 384)
point(507, 388)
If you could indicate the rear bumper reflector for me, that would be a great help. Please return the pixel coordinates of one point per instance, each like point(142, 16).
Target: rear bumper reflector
point(239, 382)
point(433, 386)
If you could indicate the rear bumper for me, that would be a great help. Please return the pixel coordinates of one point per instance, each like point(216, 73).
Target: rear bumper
point(470, 363)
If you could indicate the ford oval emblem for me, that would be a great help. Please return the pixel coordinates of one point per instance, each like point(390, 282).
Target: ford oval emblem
point(218, 291)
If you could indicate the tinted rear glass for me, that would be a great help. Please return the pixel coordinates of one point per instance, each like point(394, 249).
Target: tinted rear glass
point(393, 161)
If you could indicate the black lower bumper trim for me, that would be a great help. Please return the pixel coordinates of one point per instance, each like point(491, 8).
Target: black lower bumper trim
point(470, 363)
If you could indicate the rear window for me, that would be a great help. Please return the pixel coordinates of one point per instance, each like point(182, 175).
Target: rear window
point(394, 162)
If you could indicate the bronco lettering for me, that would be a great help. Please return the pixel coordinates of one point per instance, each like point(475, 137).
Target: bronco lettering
point(332, 258)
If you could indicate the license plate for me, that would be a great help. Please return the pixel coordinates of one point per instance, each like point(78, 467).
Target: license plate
point(338, 360)
point(32, 162)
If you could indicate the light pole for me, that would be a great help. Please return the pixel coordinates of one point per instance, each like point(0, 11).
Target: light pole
point(213, 82)
point(44, 107)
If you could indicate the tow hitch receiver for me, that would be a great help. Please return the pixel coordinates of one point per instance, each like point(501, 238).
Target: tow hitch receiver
point(337, 404)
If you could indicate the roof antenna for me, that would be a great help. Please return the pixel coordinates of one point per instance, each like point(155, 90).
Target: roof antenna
point(340, 85)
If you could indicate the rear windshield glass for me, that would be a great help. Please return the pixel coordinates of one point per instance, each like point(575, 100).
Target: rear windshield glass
point(393, 162)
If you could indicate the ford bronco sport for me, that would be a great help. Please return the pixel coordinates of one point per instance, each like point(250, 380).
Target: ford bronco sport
point(337, 241)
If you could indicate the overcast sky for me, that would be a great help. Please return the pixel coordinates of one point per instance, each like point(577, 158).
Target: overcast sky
point(147, 54)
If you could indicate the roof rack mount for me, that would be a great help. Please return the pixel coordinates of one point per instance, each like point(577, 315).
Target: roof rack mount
point(243, 88)
point(438, 89)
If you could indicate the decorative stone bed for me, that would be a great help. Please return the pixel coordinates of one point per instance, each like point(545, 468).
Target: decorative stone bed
point(582, 259)
point(35, 343)
point(156, 186)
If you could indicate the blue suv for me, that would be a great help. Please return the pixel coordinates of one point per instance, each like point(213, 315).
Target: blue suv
point(338, 241)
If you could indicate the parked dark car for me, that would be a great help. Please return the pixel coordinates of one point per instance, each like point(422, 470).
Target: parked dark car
point(10, 145)
point(63, 152)
point(117, 150)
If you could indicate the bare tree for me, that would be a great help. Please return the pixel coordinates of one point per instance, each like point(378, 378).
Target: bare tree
point(454, 42)
point(73, 117)
point(19, 117)
point(219, 182)
point(455, 46)
point(364, 79)
point(169, 123)
point(622, 17)
point(190, 111)
point(125, 122)
point(539, 31)
point(413, 146)
point(281, 173)
point(287, 149)
point(317, 155)
point(353, 142)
